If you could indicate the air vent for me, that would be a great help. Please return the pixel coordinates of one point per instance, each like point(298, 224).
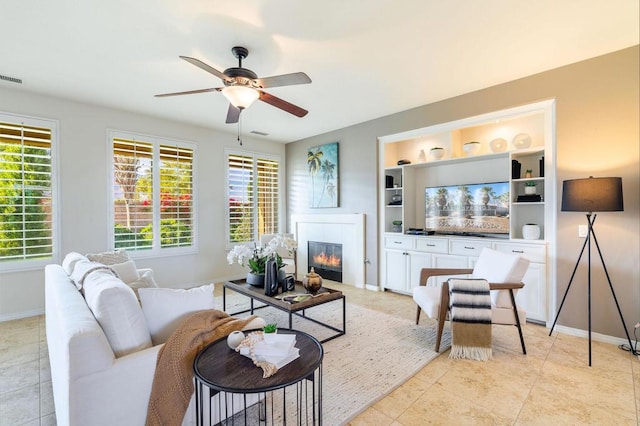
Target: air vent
point(256, 132)
point(12, 79)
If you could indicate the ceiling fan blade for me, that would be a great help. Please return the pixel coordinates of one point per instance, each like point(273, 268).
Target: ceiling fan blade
point(233, 114)
point(282, 104)
point(189, 92)
point(282, 80)
point(198, 63)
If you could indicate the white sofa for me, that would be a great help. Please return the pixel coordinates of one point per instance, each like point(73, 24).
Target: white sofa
point(95, 383)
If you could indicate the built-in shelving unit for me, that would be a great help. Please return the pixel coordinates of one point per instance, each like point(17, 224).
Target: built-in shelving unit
point(523, 136)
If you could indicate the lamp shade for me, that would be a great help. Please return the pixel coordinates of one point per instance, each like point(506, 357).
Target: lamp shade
point(240, 96)
point(592, 195)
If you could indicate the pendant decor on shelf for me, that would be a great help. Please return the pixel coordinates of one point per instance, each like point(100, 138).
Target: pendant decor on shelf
point(498, 145)
point(521, 141)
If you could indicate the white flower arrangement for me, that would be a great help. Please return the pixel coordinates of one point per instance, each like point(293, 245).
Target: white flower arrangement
point(256, 257)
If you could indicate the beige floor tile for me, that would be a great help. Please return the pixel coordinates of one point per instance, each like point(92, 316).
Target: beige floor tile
point(15, 355)
point(19, 376)
point(46, 399)
point(546, 407)
point(439, 407)
point(586, 388)
point(400, 399)
point(20, 406)
point(371, 416)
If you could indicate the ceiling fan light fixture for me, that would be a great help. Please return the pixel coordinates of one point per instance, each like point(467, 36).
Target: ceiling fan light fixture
point(240, 96)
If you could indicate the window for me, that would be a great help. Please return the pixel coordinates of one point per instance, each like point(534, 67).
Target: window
point(152, 190)
point(27, 192)
point(253, 196)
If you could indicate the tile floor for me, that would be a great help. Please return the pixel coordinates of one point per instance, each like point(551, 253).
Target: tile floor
point(552, 384)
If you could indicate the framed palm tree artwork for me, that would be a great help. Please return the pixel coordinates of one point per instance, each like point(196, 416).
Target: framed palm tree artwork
point(322, 163)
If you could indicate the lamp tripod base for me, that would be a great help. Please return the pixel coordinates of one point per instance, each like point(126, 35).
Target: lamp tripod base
point(587, 244)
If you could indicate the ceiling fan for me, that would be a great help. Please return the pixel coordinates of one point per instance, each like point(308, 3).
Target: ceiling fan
point(242, 86)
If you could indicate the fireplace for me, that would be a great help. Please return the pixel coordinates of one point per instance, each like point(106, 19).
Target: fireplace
point(326, 259)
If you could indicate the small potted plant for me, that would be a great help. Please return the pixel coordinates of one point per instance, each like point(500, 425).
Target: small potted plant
point(269, 331)
point(530, 187)
point(397, 226)
point(528, 173)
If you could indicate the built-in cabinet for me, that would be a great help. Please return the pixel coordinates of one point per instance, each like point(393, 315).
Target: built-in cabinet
point(515, 146)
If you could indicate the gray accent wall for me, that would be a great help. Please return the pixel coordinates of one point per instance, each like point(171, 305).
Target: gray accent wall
point(597, 133)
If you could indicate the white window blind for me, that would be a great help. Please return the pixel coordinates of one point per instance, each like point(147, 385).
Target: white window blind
point(26, 192)
point(153, 205)
point(253, 197)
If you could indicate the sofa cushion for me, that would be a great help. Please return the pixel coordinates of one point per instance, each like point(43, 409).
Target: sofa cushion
point(84, 268)
point(498, 267)
point(110, 257)
point(165, 308)
point(118, 312)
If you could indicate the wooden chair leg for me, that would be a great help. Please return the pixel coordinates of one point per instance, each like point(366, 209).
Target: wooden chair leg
point(515, 312)
point(442, 313)
point(418, 315)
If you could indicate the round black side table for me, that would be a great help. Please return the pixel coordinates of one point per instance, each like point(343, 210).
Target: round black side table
point(236, 388)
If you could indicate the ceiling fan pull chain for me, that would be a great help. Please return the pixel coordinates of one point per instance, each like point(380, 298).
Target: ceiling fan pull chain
point(239, 128)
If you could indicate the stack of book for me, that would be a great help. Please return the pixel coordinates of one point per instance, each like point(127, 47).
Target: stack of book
point(276, 349)
point(529, 198)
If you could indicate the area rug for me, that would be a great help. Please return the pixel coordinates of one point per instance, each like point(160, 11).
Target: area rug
point(378, 353)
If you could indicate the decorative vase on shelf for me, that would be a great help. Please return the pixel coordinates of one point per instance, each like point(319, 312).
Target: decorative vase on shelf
point(256, 280)
point(422, 157)
point(530, 231)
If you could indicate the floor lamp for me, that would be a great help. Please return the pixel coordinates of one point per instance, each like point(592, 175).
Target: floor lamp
point(592, 195)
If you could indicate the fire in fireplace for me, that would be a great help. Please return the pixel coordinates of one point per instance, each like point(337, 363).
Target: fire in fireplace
point(326, 259)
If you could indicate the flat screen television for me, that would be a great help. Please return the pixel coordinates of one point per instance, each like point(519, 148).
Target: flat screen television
point(479, 209)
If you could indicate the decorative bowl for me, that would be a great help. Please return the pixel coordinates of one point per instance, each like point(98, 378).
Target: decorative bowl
point(471, 148)
point(436, 153)
point(521, 141)
point(312, 282)
point(498, 145)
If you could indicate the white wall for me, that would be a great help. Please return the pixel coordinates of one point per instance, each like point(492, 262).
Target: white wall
point(84, 185)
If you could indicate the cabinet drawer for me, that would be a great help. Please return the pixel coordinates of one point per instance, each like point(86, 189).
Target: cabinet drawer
point(431, 245)
point(467, 247)
point(535, 253)
point(398, 242)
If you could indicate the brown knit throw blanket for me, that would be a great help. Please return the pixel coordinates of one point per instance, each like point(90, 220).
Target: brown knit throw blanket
point(470, 305)
point(173, 380)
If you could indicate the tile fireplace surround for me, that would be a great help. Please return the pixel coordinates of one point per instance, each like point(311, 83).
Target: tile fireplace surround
point(345, 229)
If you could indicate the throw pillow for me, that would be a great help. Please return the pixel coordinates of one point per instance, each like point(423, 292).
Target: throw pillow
point(166, 308)
point(70, 260)
point(144, 281)
point(126, 271)
point(118, 312)
point(84, 268)
point(110, 257)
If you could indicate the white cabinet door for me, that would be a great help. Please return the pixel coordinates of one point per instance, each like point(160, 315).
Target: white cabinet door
point(448, 261)
point(417, 261)
point(396, 270)
point(533, 296)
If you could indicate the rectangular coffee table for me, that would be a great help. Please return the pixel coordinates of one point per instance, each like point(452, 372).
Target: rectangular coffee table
point(298, 309)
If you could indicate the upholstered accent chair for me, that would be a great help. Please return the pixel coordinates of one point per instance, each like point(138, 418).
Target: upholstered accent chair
point(503, 271)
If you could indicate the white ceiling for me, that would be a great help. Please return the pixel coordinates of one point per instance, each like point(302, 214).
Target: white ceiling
point(367, 59)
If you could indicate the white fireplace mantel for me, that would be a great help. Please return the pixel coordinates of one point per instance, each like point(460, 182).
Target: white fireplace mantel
point(345, 229)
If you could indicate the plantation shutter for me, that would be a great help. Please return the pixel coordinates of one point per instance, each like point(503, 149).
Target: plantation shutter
point(253, 197)
point(267, 192)
point(176, 196)
point(133, 209)
point(26, 215)
point(240, 198)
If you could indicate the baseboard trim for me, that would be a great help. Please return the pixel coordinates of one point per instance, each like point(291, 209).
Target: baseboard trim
point(20, 315)
point(594, 336)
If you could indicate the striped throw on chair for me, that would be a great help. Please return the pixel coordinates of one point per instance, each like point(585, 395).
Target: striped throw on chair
point(470, 306)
